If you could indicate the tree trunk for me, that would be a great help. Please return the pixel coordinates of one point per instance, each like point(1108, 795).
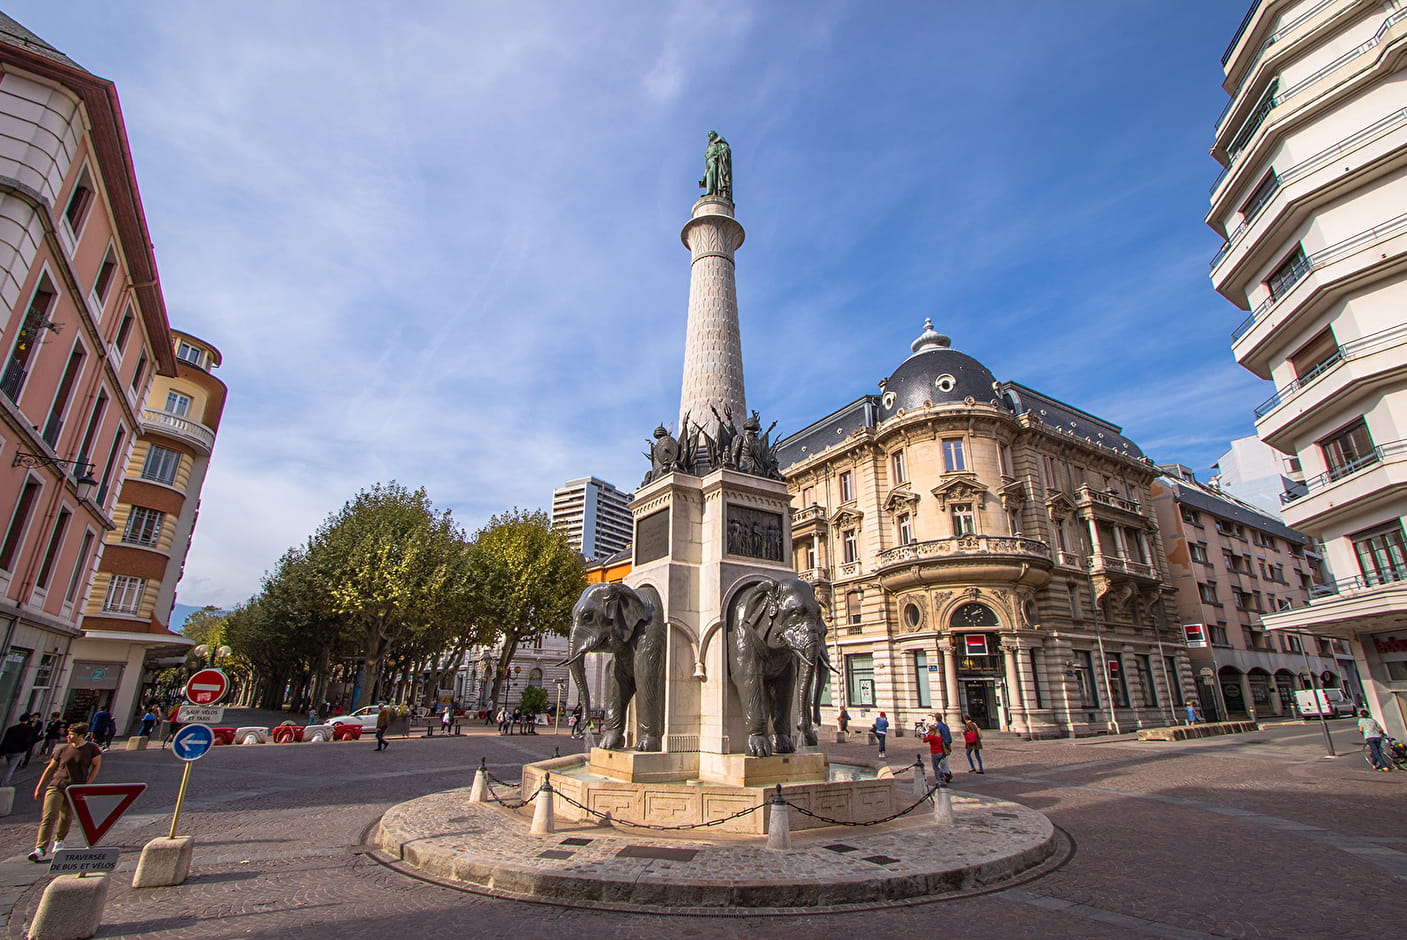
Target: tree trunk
point(510, 649)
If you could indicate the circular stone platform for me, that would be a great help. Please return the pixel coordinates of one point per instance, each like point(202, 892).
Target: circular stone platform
point(485, 848)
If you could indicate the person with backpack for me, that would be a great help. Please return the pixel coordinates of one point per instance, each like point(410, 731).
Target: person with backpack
point(972, 740)
point(880, 731)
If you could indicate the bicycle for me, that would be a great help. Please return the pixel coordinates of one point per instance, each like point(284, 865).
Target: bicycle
point(1394, 752)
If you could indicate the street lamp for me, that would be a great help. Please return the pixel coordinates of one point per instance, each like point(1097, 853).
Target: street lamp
point(82, 470)
point(557, 719)
point(211, 655)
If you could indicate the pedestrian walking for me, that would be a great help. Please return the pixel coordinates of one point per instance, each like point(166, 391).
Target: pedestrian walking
point(843, 720)
point(880, 731)
point(53, 734)
point(1191, 714)
point(972, 740)
point(173, 724)
point(1373, 733)
point(36, 734)
point(447, 719)
point(13, 747)
point(575, 723)
point(312, 716)
point(940, 744)
point(383, 721)
point(77, 761)
point(149, 721)
point(97, 728)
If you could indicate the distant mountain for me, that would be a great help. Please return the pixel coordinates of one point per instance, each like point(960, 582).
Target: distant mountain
point(179, 613)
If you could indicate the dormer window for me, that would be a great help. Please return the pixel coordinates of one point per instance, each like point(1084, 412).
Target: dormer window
point(192, 354)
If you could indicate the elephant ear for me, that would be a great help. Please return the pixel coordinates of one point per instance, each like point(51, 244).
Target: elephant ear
point(758, 609)
point(630, 611)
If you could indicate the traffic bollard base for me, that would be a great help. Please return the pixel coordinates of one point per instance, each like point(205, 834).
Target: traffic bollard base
point(71, 908)
point(7, 800)
point(164, 862)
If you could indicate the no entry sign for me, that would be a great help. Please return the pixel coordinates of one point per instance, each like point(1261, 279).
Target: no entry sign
point(207, 687)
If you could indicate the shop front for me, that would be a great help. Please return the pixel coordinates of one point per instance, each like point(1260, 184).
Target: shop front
point(91, 688)
point(982, 679)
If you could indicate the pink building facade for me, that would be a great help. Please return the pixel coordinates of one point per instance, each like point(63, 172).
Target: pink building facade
point(84, 332)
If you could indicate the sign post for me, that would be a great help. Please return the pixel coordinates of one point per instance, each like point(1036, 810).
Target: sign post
point(189, 744)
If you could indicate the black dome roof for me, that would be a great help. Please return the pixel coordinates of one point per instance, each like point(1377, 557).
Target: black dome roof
point(936, 374)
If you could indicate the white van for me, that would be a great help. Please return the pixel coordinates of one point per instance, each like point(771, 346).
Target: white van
point(1330, 703)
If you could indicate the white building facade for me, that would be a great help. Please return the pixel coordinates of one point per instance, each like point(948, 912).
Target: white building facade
point(1314, 148)
point(594, 515)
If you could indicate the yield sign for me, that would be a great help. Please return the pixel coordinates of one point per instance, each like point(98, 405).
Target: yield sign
point(207, 687)
point(98, 805)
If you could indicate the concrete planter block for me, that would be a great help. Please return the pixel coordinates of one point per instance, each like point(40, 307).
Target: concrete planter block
point(7, 800)
point(71, 908)
point(138, 742)
point(164, 862)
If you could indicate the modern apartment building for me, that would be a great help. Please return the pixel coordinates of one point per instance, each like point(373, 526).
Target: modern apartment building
point(84, 333)
point(1313, 143)
point(984, 548)
point(594, 515)
point(1230, 565)
point(1256, 473)
point(125, 625)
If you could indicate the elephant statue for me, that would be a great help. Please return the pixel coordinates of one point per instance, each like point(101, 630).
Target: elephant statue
point(629, 625)
point(777, 636)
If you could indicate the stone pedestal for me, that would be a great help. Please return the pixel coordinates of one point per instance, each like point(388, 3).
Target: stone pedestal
point(138, 742)
point(71, 908)
point(741, 770)
point(7, 800)
point(164, 862)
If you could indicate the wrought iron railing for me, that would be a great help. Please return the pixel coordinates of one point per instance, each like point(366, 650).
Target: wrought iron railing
point(1375, 456)
point(1304, 167)
point(1318, 260)
point(1243, 139)
point(1347, 352)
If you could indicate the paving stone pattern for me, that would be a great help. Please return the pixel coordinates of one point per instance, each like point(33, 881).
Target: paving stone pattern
point(1241, 837)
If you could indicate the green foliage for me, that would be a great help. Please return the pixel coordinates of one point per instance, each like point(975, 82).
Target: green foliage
point(389, 587)
point(204, 625)
point(534, 700)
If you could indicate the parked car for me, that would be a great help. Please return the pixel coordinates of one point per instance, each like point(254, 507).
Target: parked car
point(365, 716)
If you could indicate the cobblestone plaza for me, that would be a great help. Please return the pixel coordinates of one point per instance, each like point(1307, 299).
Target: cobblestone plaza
point(1244, 836)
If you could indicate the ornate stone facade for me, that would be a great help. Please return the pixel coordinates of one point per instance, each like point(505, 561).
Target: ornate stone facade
point(984, 549)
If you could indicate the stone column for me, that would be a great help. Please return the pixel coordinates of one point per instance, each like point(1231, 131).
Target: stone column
point(713, 347)
point(1015, 694)
point(953, 708)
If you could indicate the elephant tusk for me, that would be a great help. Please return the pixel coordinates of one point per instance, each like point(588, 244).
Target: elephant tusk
point(571, 659)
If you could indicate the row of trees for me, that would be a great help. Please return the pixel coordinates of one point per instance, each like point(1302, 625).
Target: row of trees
point(390, 589)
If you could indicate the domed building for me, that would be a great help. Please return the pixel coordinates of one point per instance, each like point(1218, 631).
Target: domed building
point(984, 549)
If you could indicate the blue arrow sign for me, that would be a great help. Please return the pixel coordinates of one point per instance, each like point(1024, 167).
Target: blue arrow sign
point(192, 741)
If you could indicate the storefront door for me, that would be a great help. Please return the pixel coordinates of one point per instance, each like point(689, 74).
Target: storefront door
point(980, 701)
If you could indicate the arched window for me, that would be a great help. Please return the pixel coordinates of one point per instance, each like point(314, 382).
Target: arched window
point(535, 675)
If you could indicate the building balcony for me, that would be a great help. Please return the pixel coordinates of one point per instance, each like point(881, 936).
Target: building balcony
point(965, 557)
point(817, 575)
point(1098, 501)
point(1349, 607)
point(808, 519)
point(1276, 109)
point(194, 432)
point(1322, 274)
point(1114, 565)
point(1293, 193)
point(1358, 367)
point(1377, 476)
point(1070, 560)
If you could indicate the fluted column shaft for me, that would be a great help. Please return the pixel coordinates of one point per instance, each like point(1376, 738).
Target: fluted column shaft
point(713, 346)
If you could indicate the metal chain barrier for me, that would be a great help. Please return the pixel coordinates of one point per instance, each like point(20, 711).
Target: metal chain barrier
point(873, 822)
point(606, 817)
point(517, 804)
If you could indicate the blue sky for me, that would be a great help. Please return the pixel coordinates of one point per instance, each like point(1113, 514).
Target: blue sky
point(439, 242)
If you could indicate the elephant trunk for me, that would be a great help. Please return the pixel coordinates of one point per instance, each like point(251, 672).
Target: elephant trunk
point(576, 668)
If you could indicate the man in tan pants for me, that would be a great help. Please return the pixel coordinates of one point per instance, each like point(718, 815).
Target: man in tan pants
point(75, 762)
